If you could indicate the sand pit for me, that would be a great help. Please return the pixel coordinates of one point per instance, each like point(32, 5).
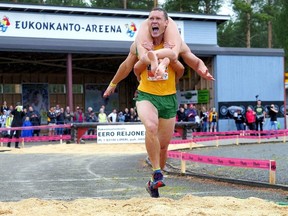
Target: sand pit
point(188, 205)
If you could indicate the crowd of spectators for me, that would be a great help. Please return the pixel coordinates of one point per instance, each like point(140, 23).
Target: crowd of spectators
point(254, 118)
point(204, 120)
point(57, 115)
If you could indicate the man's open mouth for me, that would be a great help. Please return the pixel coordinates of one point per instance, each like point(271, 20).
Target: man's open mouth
point(155, 29)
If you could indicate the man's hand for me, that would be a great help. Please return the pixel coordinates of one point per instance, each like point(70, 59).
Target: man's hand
point(203, 72)
point(168, 45)
point(110, 90)
point(148, 45)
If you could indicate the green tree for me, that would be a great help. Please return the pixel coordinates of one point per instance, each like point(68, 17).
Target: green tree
point(54, 2)
point(123, 4)
point(195, 6)
point(253, 23)
point(281, 28)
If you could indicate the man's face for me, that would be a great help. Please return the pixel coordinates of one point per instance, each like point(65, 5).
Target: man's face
point(157, 23)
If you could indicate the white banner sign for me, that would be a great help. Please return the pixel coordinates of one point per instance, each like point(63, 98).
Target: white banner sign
point(40, 25)
point(120, 133)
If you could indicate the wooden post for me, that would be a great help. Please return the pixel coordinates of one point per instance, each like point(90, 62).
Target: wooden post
point(190, 145)
point(284, 137)
point(22, 143)
point(272, 172)
point(259, 138)
point(183, 165)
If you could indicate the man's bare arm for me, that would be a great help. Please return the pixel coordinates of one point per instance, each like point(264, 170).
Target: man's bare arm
point(195, 63)
point(123, 71)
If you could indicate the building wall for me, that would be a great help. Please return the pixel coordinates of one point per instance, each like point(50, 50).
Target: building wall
point(197, 32)
point(239, 79)
point(125, 89)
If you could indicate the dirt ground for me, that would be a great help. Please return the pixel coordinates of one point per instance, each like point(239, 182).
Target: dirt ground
point(188, 205)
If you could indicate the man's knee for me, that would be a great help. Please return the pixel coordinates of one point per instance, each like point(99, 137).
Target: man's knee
point(151, 128)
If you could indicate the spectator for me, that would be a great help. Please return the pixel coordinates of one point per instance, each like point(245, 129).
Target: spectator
point(51, 120)
point(121, 117)
point(213, 119)
point(3, 117)
point(11, 108)
point(25, 113)
point(260, 113)
point(112, 117)
point(133, 115)
point(102, 117)
point(181, 116)
point(18, 115)
point(8, 123)
point(68, 119)
point(78, 115)
point(35, 119)
point(27, 123)
point(126, 114)
point(60, 121)
point(204, 119)
point(91, 117)
point(239, 120)
point(273, 118)
point(185, 106)
point(57, 109)
point(89, 111)
point(4, 107)
point(250, 118)
point(190, 113)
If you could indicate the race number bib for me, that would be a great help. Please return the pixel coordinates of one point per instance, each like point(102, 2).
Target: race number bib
point(152, 77)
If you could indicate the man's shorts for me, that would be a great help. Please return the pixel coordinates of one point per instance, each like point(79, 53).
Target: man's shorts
point(166, 105)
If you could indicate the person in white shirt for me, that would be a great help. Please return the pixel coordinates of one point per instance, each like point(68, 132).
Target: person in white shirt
point(112, 117)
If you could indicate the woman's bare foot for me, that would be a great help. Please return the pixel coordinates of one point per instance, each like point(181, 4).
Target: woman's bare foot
point(154, 61)
point(162, 68)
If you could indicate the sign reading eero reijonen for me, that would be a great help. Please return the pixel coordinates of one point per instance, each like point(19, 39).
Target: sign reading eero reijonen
point(121, 133)
point(20, 24)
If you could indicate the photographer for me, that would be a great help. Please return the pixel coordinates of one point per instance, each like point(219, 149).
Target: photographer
point(91, 117)
point(17, 122)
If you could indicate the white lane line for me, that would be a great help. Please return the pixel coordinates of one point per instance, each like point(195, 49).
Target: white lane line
point(62, 180)
point(112, 180)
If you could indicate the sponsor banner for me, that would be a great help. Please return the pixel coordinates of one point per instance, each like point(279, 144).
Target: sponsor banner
point(227, 109)
point(193, 97)
point(40, 25)
point(121, 133)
